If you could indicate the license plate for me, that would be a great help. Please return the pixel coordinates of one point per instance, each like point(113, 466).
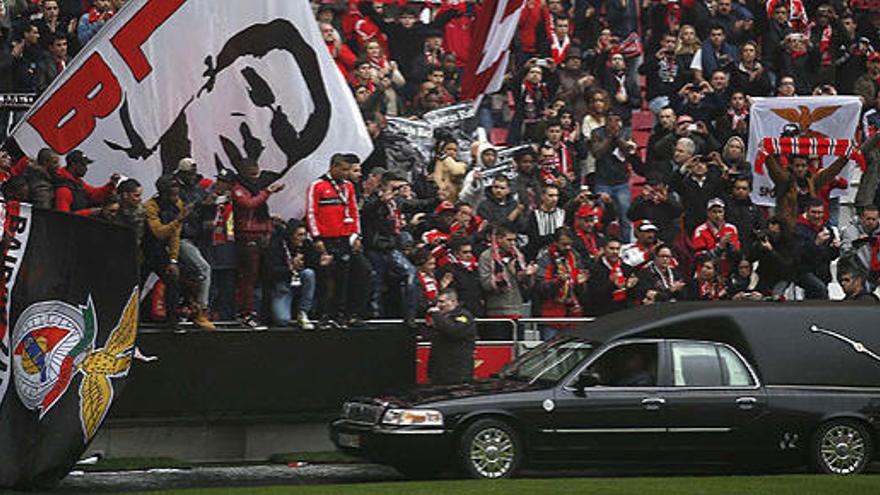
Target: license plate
point(349, 440)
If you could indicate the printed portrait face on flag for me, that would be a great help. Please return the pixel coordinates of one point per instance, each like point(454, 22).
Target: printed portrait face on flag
point(218, 81)
point(821, 117)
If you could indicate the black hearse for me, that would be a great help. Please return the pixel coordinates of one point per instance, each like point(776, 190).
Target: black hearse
point(749, 384)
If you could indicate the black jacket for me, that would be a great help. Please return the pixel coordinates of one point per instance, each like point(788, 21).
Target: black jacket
point(452, 347)
point(378, 224)
point(467, 284)
point(406, 44)
point(747, 218)
point(814, 259)
point(695, 197)
point(601, 290)
point(664, 215)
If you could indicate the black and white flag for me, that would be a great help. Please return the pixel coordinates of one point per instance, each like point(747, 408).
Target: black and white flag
point(215, 80)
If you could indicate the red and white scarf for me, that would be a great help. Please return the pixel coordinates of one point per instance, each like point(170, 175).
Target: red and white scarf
point(590, 241)
point(617, 278)
point(500, 281)
point(825, 47)
point(428, 284)
point(557, 49)
point(737, 116)
point(807, 146)
point(395, 216)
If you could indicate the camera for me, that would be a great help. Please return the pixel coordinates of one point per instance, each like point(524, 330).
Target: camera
point(692, 127)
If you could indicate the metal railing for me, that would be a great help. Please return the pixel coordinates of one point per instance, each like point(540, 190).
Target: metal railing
point(530, 326)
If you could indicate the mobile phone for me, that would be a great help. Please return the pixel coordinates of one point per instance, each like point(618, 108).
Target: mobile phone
point(692, 127)
point(542, 63)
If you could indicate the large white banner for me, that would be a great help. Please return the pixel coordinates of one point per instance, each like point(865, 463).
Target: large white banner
point(833, 117)
point(218, 80)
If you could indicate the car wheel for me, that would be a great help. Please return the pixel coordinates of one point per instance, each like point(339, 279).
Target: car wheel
point(490, 449)
point(842, 447)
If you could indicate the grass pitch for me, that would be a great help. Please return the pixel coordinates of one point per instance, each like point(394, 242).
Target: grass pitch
point(733, 485)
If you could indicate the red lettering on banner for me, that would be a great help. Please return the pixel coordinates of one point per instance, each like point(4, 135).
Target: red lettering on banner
point(76, 95)
point(137, 31)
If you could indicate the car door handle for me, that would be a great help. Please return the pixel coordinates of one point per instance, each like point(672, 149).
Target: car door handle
point(653, 403)
point(746, 403)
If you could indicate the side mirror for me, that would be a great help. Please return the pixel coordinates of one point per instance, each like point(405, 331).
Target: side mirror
point(588, 378)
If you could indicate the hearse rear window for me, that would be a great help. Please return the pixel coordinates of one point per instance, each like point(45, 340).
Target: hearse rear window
point(708, 365)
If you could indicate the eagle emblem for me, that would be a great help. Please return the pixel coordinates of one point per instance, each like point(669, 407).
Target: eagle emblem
point(100, 365)
point(55, 341)
point(804, 117)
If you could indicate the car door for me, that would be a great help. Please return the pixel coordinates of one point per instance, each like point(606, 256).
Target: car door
point(714, 404)
point(621, 417)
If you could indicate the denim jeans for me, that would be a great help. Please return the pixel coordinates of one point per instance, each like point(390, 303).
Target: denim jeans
point(621, 195)
point(306, 291)
point(814, 287)
point(280, 303)
point(191, 258)
point(223, 293)
point(383, 263)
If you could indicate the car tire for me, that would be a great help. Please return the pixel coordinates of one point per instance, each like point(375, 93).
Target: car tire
point(490, 449)
point(842, 447)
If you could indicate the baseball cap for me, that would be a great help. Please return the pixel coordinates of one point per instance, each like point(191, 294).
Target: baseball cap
point(586, 211)
point(645, 226)
point(684, 118)
point(225, 175)
point(715, 202)
point(77, 156)
point(186, 165)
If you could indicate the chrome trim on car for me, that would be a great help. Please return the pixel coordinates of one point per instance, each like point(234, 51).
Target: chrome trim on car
point(606, 430)
point(825, 387)
point(384, 430)
point(638, 430)
point(409, 432)
point(699, 430)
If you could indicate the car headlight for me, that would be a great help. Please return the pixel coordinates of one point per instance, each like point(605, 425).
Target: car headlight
point(408, 417)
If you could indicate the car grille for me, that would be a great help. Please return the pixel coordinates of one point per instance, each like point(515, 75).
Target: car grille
point(362, 413)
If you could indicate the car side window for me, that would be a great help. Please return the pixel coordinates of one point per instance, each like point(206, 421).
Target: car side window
point(627, 365)
point(696, 365)
point(736, 373)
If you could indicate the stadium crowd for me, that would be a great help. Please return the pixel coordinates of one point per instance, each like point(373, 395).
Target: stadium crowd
point(597, 213)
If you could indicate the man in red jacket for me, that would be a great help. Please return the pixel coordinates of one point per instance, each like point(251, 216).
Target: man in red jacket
point(334, 222)
point(717, 237)
point(72, 194)
point(253, 228)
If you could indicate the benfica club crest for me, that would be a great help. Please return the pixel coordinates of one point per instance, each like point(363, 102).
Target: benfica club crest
point(804, 117)
point(53, 341)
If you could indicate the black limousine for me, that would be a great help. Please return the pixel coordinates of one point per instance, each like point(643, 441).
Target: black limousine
point(755, 385)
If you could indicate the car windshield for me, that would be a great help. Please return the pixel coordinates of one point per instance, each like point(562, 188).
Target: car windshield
point(549, 362)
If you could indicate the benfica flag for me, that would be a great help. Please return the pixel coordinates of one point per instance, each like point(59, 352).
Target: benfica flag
point(829, 119)
point(219, 81)
point(496, 24)
point(67, 329)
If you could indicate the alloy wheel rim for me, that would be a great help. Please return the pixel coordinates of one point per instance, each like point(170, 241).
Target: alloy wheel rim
point(492, 452)
point(843, 449)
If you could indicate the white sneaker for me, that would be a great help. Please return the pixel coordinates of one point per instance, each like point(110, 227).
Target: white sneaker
point(303, 319)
